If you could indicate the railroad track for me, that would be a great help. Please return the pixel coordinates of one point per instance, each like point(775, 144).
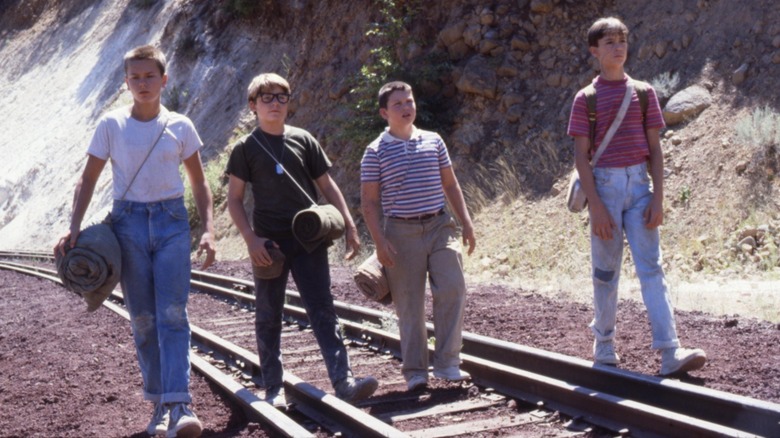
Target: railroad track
point(620, 401)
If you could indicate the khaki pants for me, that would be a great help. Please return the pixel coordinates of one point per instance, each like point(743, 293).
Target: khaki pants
point(429, 247)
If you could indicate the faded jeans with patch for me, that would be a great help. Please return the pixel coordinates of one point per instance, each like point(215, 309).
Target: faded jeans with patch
point(155, 242)
point(626, 193)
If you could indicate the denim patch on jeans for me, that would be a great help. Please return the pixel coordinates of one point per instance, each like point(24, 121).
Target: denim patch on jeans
point(626, 193)
point(155, 242)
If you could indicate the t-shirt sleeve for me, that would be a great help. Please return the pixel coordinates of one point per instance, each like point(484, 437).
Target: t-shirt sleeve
point(99, 145)
point(191, 141)
point(369, 166)
point(443, 154)
point(578, 119)
point(654, 119)
point(237, 165)
point(318, 163)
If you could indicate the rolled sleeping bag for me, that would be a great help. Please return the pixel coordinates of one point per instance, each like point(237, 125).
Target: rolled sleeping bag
point(93, 267)
point(317, 224)
point(371, 280)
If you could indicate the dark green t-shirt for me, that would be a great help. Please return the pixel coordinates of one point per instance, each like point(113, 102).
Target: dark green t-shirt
point(276, 197)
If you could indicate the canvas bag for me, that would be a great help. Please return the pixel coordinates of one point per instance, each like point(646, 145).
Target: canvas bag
point(576, 201)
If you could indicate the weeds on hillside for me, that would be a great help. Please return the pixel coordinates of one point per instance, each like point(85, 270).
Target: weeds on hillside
point(499, 179)
point(214, 171)
point(665, 85)
point(760, 129)
point(384, 66)
point(174, 98)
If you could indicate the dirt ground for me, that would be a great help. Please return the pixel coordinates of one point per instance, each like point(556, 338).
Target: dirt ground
point(68, 373)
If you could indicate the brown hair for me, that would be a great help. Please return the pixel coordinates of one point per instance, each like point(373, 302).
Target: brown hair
point(388, 88)
point(146, 52)
point(266, 81)
point(605, 26)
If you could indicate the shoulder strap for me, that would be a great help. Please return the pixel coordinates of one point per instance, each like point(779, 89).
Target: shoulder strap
point(615, 123)
point(641, 93)
point(590, 99)
point(165, 125)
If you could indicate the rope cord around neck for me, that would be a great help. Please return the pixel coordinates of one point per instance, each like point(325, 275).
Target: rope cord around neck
point(281, 166)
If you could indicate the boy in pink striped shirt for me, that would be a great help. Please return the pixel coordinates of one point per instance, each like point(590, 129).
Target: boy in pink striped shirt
point(621, 199)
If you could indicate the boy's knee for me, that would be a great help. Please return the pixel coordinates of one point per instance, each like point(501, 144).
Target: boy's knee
point(176, 315)
point(605, 276)
point(143, 324)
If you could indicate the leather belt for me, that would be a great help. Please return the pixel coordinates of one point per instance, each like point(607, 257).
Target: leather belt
point(421, 217)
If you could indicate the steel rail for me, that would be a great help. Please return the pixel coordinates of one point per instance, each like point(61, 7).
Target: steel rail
point(602, 395)
point(690, 408)
point(328, 410)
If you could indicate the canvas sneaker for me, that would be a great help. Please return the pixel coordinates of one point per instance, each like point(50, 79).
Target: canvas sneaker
point(183, 422)
point(159, 421)
point(604, 353)
point(352, 389)
point(454, 374)
point(681, 360)
point(276, 397)
point(417, 383)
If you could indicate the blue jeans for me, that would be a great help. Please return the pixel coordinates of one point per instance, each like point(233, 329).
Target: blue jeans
point(155, 242)
point(311, 273)
point(626, 193)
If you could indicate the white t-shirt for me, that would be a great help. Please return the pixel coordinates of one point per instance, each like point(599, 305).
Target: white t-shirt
point(127, 141)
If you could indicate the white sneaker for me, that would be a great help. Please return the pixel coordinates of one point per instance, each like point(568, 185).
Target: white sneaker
point(453, 374)
point(416, 383)
point(681, 360)
point(275, 397)
point(604, 353)
point(183, 423)
point(159, 421)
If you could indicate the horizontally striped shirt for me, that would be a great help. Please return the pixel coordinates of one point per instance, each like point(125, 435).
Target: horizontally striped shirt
point(629, 145)
point(408, 172)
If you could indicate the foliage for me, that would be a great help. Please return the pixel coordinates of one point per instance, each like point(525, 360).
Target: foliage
point(384, 66)
point(242, 8)
point(665, 85)
point(214, 170)
point(760, 129)
point(174, 97)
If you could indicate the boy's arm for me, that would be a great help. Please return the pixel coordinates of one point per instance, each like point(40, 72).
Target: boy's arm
point(371, 204)
point(654, 215)
point(81, 198)
point(601, 222)
point(203, 202)
point(330, 190)
point(255, 245)
point(455, 196)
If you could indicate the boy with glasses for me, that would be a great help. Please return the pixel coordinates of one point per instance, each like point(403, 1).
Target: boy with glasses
point(268, 159)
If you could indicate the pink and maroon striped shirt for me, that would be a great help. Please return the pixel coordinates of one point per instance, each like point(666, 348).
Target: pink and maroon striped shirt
point(629, 145)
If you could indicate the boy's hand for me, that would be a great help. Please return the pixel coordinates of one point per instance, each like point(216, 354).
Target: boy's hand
point(600, 221)
point(257, 252)
point(352, 242)
point(66, 241)
point(385, 253)
point(654, 214)
point(207, 244)
point(469, 238)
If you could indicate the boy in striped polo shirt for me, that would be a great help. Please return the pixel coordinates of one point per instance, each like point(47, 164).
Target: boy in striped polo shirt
point(621, 199)
point(406, 175)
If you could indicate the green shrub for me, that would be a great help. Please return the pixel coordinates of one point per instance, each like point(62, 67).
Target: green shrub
point(760, 129)
point(214, 171)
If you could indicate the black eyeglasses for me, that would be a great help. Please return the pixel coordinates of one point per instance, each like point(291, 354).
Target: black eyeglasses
point(269, 97)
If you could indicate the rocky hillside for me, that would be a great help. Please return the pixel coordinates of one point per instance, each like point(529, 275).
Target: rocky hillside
point(496, 78)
